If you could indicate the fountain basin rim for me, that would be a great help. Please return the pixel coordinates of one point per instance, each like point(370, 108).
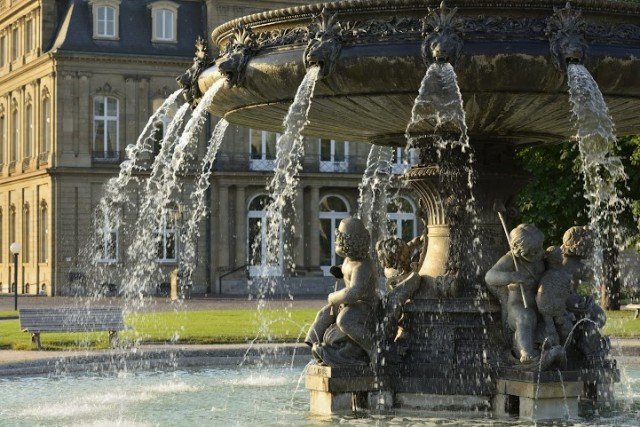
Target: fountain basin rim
point(305, 13)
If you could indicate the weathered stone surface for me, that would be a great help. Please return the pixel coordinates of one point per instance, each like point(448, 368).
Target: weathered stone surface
point(340, 385)
point(544, 390)
point(324, 403)
point(431, 402)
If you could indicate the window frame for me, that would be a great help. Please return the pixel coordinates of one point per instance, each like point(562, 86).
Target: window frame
point(43, 233)
point(105, 120)
point(29, 137)
point(264, 269)
point(162, 6)
point(163, 233)
point(263, 163)
point(47, 125)
point(15, 44)
point(113, 4)
point(107, 230)
point(335, 217)
point(398, 217)
point(14, 146)
point(333, 165)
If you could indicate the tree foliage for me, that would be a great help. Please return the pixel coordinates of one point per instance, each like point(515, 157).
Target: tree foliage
point(554, 198)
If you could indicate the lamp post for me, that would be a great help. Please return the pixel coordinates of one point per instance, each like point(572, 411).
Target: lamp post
point(15, 250)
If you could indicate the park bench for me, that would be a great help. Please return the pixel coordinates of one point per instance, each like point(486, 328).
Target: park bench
point(635, 307)
point(71, 319)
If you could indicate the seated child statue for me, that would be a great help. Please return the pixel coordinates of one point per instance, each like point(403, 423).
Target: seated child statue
point(402, 282)
point(343, 332)
point(553, 291)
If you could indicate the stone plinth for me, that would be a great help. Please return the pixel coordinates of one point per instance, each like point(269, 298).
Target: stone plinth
point(554, 396)
point(339, 390)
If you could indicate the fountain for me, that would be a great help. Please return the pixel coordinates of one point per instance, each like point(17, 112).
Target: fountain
point(496, 80)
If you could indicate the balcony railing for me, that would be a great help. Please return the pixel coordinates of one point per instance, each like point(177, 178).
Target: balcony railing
point(310, 164)
point(107, 157)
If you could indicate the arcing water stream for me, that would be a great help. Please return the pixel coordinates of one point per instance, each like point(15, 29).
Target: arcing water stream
point(374, 189)
point(602, 169)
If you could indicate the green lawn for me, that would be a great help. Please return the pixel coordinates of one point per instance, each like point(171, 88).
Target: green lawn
point(223, 326)
point(194, 327)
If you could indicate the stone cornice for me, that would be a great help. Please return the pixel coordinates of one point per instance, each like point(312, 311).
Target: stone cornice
point(39, 68)
point(178, 61)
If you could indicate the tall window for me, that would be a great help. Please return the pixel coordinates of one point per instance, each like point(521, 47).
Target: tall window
point(164, 25)
point(332, 210)
point(263, 149)
point(46, 125)
point(402, 218)
point(105, 22)
point(3, 137)
point(1, 237)
point(105, 126)
point(15, 44)
point(402, 160)
point(28, 142)
point(334, 155)
point(28, 36)
point(3, 51)
point(12, 224)
point(167, 250)
point(260, 264)
point(107, 227)
point(15, 135)
point(26, 234)
point(43, 233)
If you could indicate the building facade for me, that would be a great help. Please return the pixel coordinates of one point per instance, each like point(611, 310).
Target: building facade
point(79, 80)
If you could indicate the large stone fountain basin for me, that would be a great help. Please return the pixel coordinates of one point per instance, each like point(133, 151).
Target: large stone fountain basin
point(511, 89)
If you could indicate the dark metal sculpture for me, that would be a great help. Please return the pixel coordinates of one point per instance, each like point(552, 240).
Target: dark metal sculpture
point(239, 50)
point(442, 36)
point(324, 49)
point(343, 333)
point(189, 80)
point(566, 32)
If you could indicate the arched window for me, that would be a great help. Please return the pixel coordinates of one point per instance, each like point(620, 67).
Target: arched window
point(259, 264)
point(332, 210)
point(107, 239)
point(43, 233)
point(46, 125)
point(166, 234)
point(106, 132)
point(402, 219)
point(28, 125)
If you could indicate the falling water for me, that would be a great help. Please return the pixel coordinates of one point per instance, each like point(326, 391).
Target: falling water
point(374, 192)
point(198, 209)
point(439, 104)
point(602, 169)
point(284, 184)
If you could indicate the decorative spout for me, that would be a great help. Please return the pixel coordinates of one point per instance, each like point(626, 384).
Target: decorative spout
point(324, 48)
point(189, 80)
point(566, 33)
point(442, 32)
point(241, 47)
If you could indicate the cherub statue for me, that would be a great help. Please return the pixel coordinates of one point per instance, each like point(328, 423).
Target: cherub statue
point(577, 248)
point(553, 291)
point(343, 332)
point(514, 280)
point(402, 282)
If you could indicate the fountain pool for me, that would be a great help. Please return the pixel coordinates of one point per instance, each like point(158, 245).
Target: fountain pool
point(246, 396)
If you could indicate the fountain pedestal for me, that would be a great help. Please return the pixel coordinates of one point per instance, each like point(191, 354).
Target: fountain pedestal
point(552, 398)
point(341, 390)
